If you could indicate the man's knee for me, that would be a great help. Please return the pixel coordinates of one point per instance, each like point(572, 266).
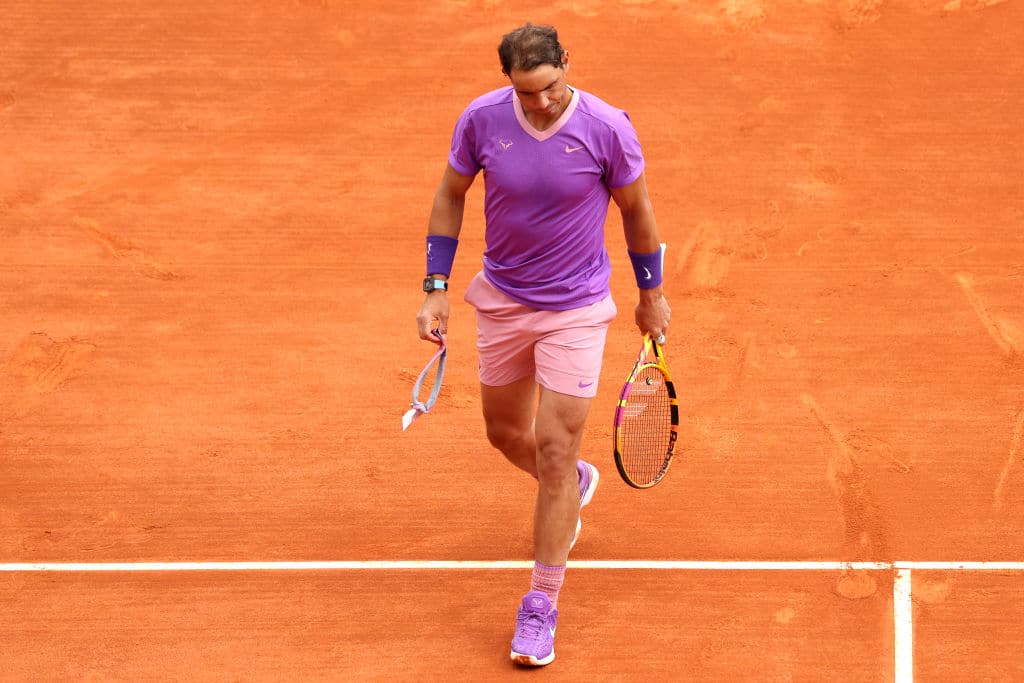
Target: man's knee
point(555, 461)
point(508, 439)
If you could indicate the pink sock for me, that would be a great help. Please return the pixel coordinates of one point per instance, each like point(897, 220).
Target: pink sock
point(548, 580)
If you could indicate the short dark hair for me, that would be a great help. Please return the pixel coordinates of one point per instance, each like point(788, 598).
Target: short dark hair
point(528, 47)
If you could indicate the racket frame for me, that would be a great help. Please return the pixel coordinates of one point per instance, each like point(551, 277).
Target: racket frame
point(651, 356)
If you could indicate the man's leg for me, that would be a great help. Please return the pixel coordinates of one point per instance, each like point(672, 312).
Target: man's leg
point(545, 446)
point(560, 420)
point(559, 427)
point(509, 419)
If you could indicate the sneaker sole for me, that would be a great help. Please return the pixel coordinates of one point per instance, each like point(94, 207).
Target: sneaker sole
point(530, 660)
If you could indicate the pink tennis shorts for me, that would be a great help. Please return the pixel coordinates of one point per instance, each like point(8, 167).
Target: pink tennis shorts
point(561, 349)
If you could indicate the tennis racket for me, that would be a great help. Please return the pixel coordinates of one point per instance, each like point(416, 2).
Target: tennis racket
point(421, 407)
point(646, 419)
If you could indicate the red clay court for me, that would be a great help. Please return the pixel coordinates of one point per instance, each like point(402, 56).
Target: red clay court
point(212, 219)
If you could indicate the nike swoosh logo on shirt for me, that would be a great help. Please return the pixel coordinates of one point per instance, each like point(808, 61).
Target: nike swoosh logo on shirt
point(570, 150)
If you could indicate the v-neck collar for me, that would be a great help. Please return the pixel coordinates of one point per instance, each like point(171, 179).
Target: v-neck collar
point(542, 135)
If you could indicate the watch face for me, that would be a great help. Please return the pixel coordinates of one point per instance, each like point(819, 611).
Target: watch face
point(430, 284)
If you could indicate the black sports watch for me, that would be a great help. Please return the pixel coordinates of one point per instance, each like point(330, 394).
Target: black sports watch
point(431, 283)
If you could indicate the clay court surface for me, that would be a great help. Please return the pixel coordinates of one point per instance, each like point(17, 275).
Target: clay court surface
point(212, 219)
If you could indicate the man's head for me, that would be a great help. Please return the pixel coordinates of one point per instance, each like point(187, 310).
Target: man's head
point(535, 63)
point(528, 47)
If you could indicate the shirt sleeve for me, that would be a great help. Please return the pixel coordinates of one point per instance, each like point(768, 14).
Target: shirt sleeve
point(625, 156)
point(462, 156)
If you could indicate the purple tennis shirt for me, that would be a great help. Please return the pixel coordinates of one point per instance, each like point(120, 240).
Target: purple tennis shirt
point(546, 194)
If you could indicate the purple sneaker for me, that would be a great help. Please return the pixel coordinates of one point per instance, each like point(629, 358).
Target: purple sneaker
point(534, 641)
point(588, 484)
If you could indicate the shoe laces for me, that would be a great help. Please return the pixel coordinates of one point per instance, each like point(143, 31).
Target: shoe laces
point(532, 624)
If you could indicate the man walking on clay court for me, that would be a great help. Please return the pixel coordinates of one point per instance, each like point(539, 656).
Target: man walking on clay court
point(552, 157)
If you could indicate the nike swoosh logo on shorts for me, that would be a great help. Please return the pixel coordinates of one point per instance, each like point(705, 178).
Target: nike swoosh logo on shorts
point(581, 385)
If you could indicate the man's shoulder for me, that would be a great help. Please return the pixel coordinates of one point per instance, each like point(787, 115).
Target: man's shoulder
point(494, 98)
point(593, 106)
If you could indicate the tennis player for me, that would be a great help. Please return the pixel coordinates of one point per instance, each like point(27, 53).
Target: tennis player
point(551, 155)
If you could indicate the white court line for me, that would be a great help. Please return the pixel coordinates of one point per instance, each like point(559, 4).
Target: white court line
point(903, 626)
point(678, 565)
point(963, 566)
point(387, 565)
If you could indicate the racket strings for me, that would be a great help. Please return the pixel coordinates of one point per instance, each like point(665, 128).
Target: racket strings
point(647, 425)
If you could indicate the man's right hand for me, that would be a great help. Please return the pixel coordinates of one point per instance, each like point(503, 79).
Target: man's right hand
point(433, 315)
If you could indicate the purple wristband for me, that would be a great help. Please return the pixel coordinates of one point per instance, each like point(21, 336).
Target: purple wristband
point(646, 268)
point(441, 254)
